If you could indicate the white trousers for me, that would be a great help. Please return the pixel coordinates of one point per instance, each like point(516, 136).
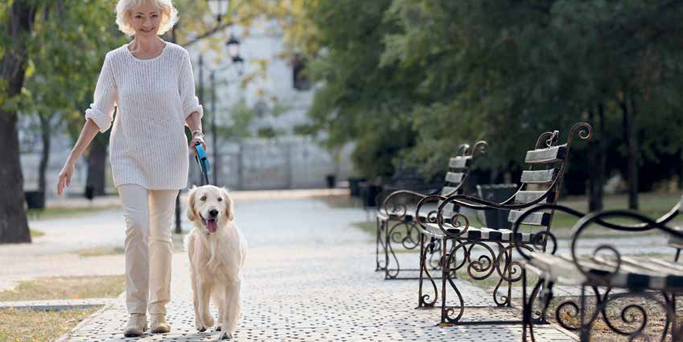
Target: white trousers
point(149, 248)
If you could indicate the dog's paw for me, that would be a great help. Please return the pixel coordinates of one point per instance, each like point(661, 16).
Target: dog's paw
point(226, 336)
point(201, 327)
point(208, 320)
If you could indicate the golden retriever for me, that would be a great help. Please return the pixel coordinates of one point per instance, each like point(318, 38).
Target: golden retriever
point(217, 251)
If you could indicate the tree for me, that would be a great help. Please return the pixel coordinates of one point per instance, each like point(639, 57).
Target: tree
point(16, 21)
point(522, 66)
point(361, 99)
point(66, 52)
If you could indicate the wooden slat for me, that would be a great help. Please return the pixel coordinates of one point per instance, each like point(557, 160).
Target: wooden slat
point(459, 162)
point(538, 176)
point(535, 219)
point(523, 197)
point(447, 190)
point(674, 241)
point(455, 177)
point(546, 155)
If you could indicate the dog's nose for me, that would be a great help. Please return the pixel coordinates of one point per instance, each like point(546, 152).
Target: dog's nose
point(213, 212)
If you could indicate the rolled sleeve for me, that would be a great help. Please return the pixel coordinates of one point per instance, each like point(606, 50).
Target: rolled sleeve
point(193, 106)
point(101, 111)
point(102, 120)
point(187, 91)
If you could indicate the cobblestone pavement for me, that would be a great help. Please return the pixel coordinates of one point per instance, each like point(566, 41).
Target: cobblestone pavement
point(309, 276)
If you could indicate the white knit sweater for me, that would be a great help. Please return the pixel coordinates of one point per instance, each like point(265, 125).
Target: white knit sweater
point(154, 96)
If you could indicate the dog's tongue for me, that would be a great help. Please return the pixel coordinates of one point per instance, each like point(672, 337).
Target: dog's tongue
point(211, 225)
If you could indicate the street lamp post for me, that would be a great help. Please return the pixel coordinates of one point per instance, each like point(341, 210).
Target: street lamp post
point(214, 140)
point(217, 7)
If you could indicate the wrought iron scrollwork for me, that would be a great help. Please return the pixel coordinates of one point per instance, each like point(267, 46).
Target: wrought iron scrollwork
point(631, 318)
point(425, 300)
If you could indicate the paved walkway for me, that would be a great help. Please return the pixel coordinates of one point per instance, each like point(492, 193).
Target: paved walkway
point(309, 277)
point(54, 253)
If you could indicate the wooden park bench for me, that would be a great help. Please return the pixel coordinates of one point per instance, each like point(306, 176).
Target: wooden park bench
point(619, 283)
point(485, 251)
point(396, 224)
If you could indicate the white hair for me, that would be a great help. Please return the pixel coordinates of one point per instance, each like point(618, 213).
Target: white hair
point(169, 15)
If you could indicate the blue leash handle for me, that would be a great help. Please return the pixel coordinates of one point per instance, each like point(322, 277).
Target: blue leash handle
point(203, 162)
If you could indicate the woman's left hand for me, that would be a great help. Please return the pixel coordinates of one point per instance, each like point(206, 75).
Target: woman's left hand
point(198, 139)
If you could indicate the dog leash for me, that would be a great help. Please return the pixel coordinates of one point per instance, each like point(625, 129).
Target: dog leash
point(202, 162)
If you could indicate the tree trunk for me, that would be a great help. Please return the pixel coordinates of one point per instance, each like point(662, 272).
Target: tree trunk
point(45, 130)
point(631, 142)
point(97, 161)
point(13, 222)
point(596, 178)
point(633, 158)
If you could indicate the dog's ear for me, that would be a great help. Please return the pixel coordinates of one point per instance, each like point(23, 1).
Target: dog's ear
point(191, 214)
point(229, 206)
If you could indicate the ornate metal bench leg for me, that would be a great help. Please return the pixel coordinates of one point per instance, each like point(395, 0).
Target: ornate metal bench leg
point(527, 308)
point(387, 249)
point(425, 300)
point(670, 306)
point(509, 280)
point(447, 312)
point(503, 265)
point(380, 245)
point(585, 334)
point(675, 330)
point(444, 275)
point(393, 236)
point(546, 301)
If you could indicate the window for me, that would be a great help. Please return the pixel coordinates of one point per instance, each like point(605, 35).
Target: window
point(300, 79)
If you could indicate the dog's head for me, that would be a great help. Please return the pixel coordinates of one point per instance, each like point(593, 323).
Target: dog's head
point(210, 205)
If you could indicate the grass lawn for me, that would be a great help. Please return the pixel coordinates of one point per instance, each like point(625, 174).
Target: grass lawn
point(656, 317)
point(66, 288)
point(52, 213)
point(341, 201)
point(100, 251)
point(36, 233)
point(369, 227)
point(39, 326)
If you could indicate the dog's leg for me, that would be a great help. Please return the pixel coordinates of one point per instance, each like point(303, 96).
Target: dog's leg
point(232, 309)
point(195, 299)
point(218, 299)
point(195, 289)
point(204, 319)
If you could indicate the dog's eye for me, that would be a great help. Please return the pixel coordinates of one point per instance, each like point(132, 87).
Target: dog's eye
point(219, 199)
point(203, 198)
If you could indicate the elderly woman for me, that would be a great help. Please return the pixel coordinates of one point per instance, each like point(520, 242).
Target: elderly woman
point(151, 83)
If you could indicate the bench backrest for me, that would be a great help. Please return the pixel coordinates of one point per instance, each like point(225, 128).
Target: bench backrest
point(675, 241)
point(542, 181)
point(459, 170)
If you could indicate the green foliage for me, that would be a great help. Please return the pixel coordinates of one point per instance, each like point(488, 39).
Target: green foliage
point(412, 79)
point(239, 119)
point(267, 132)
point(66, 52)
point(360, 96)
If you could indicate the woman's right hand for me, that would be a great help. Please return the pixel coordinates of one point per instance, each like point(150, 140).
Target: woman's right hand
point(65, 177)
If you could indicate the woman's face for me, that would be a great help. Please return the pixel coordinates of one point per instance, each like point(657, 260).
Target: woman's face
point(146, 19)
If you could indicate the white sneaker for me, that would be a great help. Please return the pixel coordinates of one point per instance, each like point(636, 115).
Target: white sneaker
point(136, 326)
point(158, 324)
